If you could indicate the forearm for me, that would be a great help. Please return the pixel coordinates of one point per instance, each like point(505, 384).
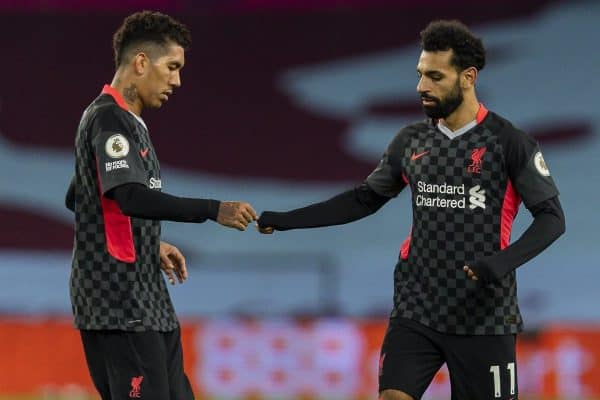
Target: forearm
point(346, 207)
point(547, 226)
point(138, 201)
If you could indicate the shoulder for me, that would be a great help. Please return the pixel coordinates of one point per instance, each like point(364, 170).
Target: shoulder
point(417, 127)
point(107, 111)
point(410, 131)
point(518, 147)
point(509, 135)
point(105, 115)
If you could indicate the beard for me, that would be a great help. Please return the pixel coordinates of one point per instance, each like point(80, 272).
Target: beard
point(444, 107)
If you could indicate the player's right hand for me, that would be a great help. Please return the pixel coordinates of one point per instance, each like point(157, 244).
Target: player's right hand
point(236, 214)
point(262, 227)
point(172, 262)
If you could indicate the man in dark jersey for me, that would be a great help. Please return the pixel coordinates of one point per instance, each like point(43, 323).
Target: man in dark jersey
point(455, 294)
point(130, 333)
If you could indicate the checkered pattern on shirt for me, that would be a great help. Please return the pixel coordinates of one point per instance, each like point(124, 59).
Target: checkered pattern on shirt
point(430, 286)
point(107, 293)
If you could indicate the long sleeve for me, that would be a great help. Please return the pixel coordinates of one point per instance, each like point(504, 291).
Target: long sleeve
point(548, 224)
point(346, 207)
point(138, 201)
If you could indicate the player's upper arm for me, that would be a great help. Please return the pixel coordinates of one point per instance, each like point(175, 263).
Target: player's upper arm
point(117, 155)
point(386, 179)
point(70, 196)
point(527, 168)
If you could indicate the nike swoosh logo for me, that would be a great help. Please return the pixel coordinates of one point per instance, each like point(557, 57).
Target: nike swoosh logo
point(416, 156)
point(144, 152)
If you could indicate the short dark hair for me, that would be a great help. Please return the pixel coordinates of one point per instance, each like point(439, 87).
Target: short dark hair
point(445, 35)
point(148, 27)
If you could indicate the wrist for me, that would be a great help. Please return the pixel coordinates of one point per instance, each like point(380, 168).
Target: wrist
point(213, 209)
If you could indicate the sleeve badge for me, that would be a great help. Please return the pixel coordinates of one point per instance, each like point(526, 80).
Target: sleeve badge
point(117, 146)
point(540, 164)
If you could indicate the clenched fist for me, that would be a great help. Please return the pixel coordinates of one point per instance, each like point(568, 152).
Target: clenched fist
point(236, 214)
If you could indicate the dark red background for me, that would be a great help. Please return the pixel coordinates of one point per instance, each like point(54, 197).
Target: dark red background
point(229, 118)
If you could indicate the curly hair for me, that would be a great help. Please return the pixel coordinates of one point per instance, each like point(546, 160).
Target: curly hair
point(148, 28)
point(445, 35)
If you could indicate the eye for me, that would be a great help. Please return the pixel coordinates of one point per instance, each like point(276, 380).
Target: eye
point(174, 66)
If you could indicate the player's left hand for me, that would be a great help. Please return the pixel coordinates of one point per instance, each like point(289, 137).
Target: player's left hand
point(172, 262)
point(470, 273)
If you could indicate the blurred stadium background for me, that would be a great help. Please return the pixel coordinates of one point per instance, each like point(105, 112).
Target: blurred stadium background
point(285, 102)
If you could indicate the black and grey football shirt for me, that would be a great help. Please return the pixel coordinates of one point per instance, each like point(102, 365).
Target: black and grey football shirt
point(116, 280)
point(466, 192)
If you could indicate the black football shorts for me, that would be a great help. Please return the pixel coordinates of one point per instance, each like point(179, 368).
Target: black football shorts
point(481, 367)
point(136, 365)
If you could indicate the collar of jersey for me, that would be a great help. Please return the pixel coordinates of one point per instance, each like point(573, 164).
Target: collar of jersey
point(111, 91)
point(481, 114)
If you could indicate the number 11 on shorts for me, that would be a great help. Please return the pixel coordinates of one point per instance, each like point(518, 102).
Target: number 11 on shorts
point(495, 371)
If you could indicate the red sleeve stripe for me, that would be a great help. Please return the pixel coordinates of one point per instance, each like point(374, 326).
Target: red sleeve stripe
point(117, 228)
point(405, 248)
point(510, 207)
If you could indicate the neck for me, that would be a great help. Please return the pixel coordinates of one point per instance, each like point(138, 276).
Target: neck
point(464, 114)
point(125, 85)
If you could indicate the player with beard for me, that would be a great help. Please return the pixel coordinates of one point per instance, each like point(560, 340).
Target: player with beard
point(455, 294)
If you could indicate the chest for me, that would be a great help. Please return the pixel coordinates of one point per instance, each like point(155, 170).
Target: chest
point(147, 153)
point(474, 158)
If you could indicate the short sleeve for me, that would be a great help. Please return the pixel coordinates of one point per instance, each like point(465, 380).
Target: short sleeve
point(386, 179)
point(117, 154)
point(528, 170)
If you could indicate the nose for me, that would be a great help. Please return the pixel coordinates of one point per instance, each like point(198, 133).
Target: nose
point(421, 86)
point(175, 79)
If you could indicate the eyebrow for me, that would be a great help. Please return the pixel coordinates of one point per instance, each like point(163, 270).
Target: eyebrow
point(431, 72)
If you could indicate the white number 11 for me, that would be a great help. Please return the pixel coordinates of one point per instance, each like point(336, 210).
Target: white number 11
point(495, 370)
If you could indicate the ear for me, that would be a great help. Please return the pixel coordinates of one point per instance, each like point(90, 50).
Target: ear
point(468, 77)
point(140, 63)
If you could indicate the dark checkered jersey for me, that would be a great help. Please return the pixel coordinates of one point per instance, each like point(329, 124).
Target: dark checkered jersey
point(466, 191)
point(116, 280)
